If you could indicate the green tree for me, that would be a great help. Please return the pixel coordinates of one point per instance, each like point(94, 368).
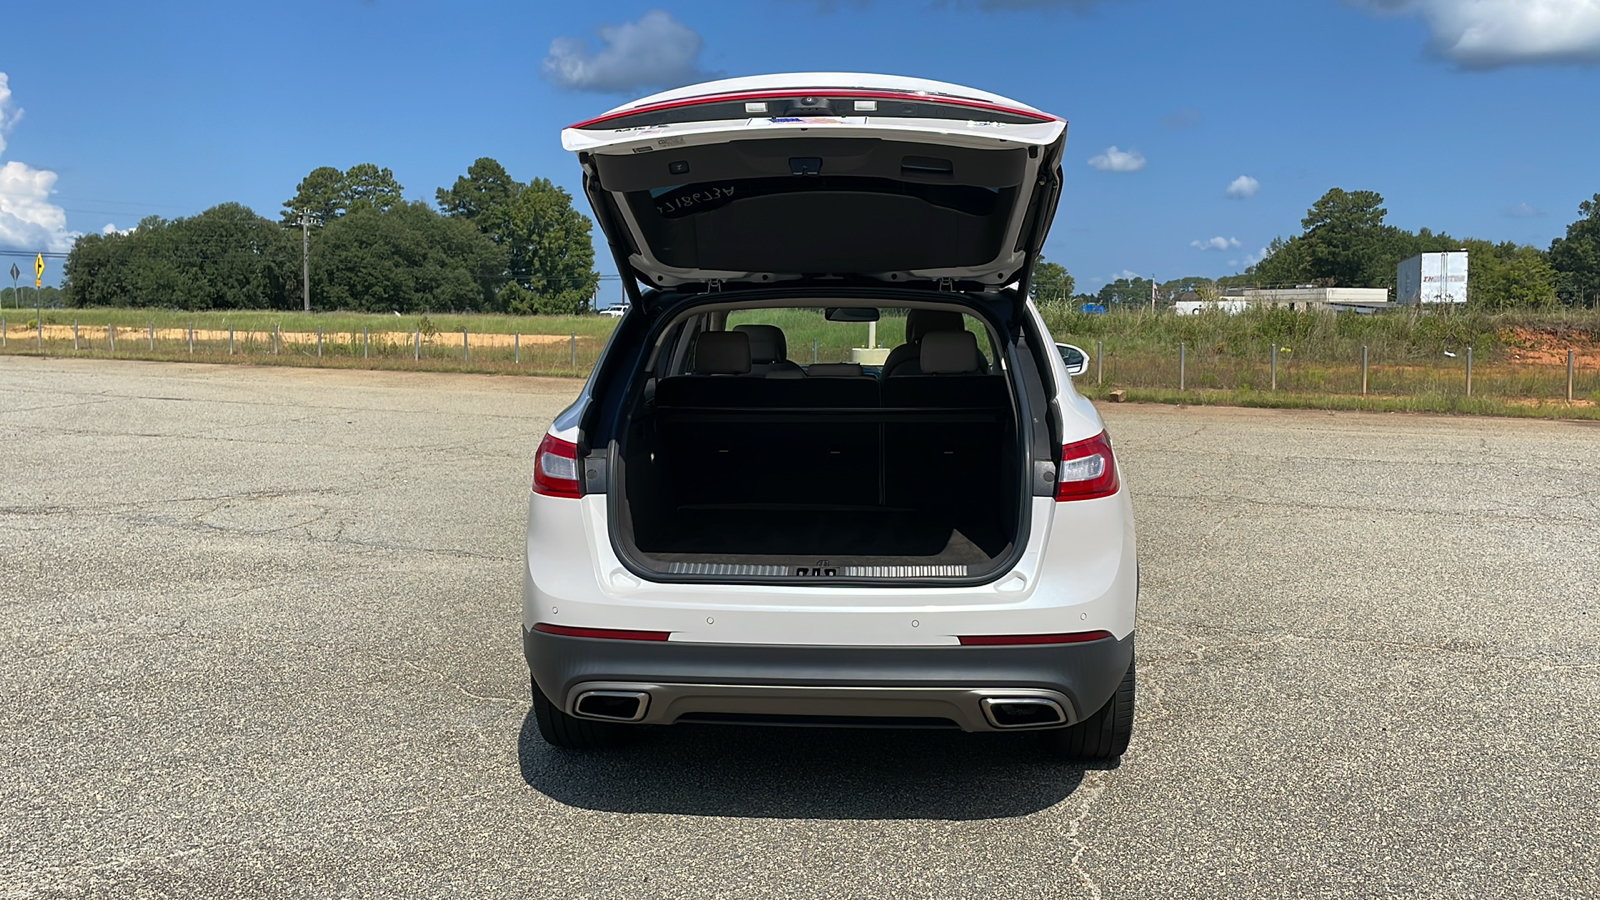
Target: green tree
point(321, 194)
point(1576, 257)
point(1344, 232)
point(1506, 276)
point(1126, 291)
point(227, 257)
point(406, 259)
point(550, 256)
point(1345, 244)
point(486, 186)
point(1052, 283)
point(550, 250)
point(367, 186)
point(328, 193)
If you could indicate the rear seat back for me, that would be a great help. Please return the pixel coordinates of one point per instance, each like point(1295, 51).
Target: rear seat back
point(836, 370)
point(722, 353)
point(769, 352)
point(750, 440)
point(952, 377)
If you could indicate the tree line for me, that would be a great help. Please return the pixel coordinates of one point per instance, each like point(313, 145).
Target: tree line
point(494, 245)
point(1346, 242)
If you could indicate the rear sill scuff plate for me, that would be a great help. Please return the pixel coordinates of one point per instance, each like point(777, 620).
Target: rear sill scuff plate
point(743, 570)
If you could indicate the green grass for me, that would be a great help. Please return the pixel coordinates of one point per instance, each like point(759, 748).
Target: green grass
point(1227, 359)
point(1392, 335)
point(1431, 402)
point(329, 322)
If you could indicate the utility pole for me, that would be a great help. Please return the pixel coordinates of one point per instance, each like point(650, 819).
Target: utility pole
point(305, 256)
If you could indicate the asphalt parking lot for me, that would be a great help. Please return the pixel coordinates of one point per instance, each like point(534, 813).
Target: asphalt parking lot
point(262, 640)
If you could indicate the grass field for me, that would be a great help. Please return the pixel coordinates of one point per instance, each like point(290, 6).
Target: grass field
point(330, 322)
point(1415, 363)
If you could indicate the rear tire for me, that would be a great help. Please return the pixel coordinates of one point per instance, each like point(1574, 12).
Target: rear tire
point(1105, 734)
point(571, 733)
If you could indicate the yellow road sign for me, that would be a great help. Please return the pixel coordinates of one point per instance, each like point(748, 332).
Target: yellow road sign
point(38, 270)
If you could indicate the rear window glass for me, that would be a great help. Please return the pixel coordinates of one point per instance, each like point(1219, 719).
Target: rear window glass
point(809, 337)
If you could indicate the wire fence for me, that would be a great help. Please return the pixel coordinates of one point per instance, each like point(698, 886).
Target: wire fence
point(1571, 377)
point(450, 350)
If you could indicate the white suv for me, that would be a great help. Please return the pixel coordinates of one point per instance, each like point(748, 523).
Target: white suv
point(752, 514)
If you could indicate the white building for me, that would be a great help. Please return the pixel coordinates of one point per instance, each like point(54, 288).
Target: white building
point(1299, 298)
point(1432, 278)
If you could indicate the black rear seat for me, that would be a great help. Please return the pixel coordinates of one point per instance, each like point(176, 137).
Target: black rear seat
point(750, 440)
point(951, 377)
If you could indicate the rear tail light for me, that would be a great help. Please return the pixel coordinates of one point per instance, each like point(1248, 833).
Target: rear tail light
point(1015, 640)
point(1088, 470)
point(555, 468)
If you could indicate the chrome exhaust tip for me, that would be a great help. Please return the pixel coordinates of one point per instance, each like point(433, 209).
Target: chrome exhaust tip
point(613, 706)
point(1022, 712)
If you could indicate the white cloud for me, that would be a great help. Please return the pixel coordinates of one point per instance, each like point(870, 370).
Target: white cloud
point(1253, 258)
point(1114, 160)
point(28, 220)
point(1490, 34)
point(1217, 243)
point(657, 51)
point(10, 113)
point(1524, 211)
point(1126, 275)
point(1243, 188)
point(111, 229)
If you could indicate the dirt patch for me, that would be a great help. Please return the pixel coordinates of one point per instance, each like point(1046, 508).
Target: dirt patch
point(1540, 347)
point(1535, 403)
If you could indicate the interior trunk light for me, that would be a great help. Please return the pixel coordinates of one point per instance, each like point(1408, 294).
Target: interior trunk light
point(1088, 470)
point(555, 468)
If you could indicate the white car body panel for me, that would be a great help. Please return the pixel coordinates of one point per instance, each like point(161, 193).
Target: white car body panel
point(1081, 583)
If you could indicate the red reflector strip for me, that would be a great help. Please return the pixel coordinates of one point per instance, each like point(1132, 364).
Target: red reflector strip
point(821, 92)
point(610, 634)
point(1001, 640)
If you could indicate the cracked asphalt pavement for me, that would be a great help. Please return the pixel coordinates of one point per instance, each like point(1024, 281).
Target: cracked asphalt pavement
point(262, 640)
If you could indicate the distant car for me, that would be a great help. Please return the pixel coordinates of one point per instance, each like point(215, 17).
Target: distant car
point(720, 532)
point(615, 312)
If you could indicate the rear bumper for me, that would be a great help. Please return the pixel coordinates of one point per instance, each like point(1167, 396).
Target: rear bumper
point(917, 686)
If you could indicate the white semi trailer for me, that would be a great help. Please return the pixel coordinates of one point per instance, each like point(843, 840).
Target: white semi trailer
point(1432, 278)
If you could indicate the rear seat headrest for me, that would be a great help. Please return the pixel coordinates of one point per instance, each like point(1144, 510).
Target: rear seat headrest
point(922, 322)
point(767, 343)
point(835, 370)
point(722, 353)
point(949, 353)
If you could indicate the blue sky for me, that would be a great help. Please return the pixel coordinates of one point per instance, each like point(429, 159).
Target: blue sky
point(1476, 117)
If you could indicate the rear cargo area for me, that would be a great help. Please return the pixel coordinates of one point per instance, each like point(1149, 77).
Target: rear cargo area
point(822, 475)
